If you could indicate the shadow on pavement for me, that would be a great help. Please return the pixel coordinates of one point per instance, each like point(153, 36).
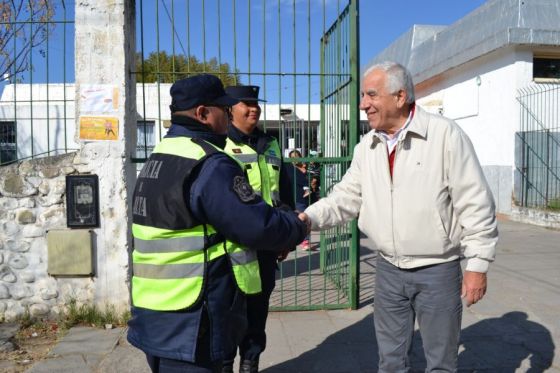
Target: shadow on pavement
point(509, 343)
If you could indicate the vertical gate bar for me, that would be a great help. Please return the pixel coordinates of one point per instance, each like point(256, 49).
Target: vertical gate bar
point(158, 84)
point(309, 125)
point(188, 37)
point(14, 77)
point(173, 74)
point(309, 128)
point(48, 85)
point(294, 79)
point(264, 66)
point(282, 126)
point(354, 284)
point(219, 35)
point(283, 138)
point(142, 72)
point(234, 37)
point(31, 89)
point(547, 175)
point(523, 157)
point(249, 39)
point(64, 75)
point(322, 125)
point(204, 36)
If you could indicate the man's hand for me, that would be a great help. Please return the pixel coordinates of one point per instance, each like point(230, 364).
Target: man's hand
point(474, 287)
point(304, 218)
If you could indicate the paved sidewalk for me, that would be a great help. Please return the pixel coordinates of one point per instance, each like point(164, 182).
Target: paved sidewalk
point(516, 328)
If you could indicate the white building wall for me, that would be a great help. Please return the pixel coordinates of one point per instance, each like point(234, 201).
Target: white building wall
point(44, 114)
point(481, 97)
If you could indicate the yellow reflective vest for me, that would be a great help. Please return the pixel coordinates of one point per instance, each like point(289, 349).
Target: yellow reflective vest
point(172, 249)
point(263, 172)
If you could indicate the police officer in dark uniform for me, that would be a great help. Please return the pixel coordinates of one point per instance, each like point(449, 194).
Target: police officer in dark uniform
point(262, 158)
point(191, 262)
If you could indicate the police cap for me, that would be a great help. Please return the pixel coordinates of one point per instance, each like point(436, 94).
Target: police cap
point(244, 92)
point(204, 89)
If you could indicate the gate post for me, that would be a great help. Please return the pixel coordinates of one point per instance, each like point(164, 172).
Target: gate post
point(106, 98)
point(354, 277)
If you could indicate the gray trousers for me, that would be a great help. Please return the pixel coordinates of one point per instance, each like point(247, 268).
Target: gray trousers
point(433, 295)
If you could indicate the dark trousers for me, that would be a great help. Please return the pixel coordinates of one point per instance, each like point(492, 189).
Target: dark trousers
point(254, 341)
point(430, 294)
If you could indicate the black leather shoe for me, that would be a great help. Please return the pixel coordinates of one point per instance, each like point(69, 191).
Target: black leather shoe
point(249, 366)
point(227, 368)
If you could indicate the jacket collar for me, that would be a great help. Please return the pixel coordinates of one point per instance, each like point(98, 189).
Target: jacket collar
point(258, 140)
point(189, 127)
point(418, 125)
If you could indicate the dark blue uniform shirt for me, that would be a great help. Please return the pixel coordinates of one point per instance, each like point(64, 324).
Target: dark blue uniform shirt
point(252, 223)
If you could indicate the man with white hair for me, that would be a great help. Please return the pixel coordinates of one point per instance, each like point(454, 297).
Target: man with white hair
point(420, 194)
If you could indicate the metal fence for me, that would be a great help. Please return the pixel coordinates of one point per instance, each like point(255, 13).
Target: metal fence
point(537, 147)
point(304, 56)
point(36, 64)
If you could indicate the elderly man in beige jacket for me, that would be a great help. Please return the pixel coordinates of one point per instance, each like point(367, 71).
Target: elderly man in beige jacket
point(420, 194)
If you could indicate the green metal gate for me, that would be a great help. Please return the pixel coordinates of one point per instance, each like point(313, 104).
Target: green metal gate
point(328, 278)
point(537, 148)
point(308, 73)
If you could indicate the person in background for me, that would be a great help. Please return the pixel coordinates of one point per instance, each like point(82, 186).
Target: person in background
point(262, 160)
point(419, 193)
point(301, 189)
point(314, 189)
point(190, 263)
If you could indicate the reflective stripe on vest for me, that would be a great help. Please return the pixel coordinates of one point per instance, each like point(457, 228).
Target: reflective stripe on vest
point(245, 265)
point(168, 271)
point(169, 245)
point(243, 257)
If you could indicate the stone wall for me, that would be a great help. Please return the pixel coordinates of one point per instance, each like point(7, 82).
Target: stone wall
point(32, 201)
point(32, 193)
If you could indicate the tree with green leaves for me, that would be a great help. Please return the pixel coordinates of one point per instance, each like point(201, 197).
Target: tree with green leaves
point(164, 68)
point(24, 26)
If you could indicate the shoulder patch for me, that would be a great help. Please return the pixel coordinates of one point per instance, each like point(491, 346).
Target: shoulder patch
point(243, 189)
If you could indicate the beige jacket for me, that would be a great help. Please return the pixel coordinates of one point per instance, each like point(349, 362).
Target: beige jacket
point(438, 206)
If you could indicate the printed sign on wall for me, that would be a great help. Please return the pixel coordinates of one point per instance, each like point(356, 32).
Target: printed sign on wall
point(99, 128)
point(99, 98)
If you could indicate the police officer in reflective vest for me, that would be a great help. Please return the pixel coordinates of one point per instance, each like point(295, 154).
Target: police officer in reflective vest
point(262, 157)
point(190, 264)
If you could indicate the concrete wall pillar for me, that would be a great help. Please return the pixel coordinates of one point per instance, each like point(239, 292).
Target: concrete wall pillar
point(104, 50)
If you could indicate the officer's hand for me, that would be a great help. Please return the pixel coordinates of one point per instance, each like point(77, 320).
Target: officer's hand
point(304, 218)
point(474, 287)
point(282, 255)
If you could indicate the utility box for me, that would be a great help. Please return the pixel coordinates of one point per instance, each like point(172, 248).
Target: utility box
point(70, 252)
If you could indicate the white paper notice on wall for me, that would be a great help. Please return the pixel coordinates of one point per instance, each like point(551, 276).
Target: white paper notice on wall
point(99, 98)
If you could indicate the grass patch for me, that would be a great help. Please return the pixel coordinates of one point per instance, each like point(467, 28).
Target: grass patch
point(87, 314)
point(554, 204)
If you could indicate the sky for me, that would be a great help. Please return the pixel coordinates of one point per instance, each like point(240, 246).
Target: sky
point(271, 39)
point(383, 21)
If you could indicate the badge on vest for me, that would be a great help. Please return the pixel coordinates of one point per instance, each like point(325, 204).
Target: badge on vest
point(243, 189)
point(236, 150)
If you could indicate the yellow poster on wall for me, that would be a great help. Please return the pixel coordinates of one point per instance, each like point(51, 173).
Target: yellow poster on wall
point(99, 128)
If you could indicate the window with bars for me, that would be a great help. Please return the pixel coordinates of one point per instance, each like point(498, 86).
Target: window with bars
point(146, 138)
point(8, 149)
